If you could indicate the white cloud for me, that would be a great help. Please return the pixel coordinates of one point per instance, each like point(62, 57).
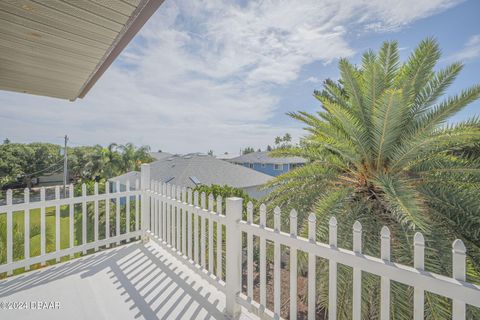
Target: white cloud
point(201, 73)
point(470, 51)
point(313, 80)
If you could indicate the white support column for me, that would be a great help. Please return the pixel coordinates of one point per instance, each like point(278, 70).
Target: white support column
point(233, 283)
point(145, 201)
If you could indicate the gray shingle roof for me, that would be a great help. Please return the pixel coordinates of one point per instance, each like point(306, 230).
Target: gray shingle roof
point(160, 155)
point(184, 170)
point(263, 157)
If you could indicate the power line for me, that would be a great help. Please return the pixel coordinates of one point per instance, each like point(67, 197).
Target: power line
point(40, 171)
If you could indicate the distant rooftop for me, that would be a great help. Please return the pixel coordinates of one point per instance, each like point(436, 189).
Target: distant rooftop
point(264, 157)
point(195, 169)
point(160, 155)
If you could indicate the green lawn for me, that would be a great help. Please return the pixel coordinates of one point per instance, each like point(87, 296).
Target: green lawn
point(18, 232)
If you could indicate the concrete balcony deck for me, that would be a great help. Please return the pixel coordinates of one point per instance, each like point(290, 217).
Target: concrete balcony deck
point(132, 281)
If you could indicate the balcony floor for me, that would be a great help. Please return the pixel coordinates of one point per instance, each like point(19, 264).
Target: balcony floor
point(133, 281)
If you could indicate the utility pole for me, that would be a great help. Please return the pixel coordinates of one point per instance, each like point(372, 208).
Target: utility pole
point(65, 168)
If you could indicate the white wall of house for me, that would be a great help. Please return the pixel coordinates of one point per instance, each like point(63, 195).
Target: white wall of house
point(256, 192)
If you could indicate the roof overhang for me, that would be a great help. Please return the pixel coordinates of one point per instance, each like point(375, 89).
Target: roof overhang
point(61, 48)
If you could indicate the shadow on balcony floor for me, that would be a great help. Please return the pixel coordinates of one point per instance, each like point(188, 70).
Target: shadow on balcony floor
point(133, 281)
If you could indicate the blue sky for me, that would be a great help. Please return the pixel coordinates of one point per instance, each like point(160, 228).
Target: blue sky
point(221, 75)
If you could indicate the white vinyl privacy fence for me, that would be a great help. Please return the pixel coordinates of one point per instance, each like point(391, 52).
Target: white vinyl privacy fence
point(207, 234)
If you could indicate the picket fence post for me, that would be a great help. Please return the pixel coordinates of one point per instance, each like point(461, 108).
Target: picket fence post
point(145, 201)
point(233, 275)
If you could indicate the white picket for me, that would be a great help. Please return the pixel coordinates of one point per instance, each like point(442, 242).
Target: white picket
point(277, 258)
point(9, 230)
point(250, 252)
point(190, 224)
point(168, 238)
point(357, 273)
point(71, 210)
point(117, 211)
point(385, 282)
point(210, 234)
point(332, 270)
point(419, 264)
point(42, 224)
point(263, 258)
point(184, 221)
point(84, 215)
point(57, 222)
point(195, 228)
point(202, 230)
point(458, 272)
point(173, 218)
point(178, 213)
point(185, 214)
point(127, 211)
point(95, 221)
point(164, 213)
point(156, 209)
point(137, 205)
point(219, 239)
point(107, 212)
point(312, 267)
point(293, 267)
point(26, 217)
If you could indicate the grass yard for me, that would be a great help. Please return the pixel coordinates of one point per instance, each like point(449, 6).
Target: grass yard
point(50, 243)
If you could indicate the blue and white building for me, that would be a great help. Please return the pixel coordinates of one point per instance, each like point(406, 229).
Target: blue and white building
point(263, 162)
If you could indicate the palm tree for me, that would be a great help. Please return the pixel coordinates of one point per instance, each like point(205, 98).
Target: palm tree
point(380, 151)
point(132, 157)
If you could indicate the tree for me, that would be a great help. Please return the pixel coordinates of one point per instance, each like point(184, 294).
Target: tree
point(248, 150)
point(380, 152)
point(28, 161)
point(283, 142)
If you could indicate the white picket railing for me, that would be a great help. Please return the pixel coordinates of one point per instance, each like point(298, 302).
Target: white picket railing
point(172, 214)
point(209, 239)
point(11, 209)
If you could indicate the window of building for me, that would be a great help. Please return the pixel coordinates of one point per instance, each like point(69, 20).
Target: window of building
point(263, 165)
point(277, 167)
point(251, 165)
